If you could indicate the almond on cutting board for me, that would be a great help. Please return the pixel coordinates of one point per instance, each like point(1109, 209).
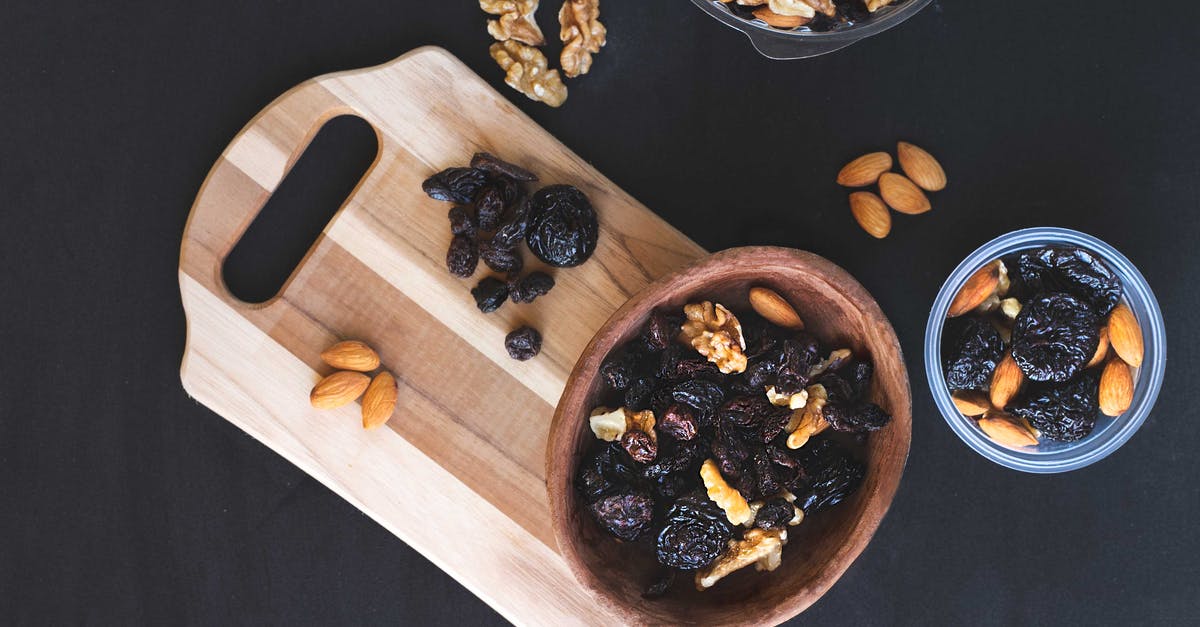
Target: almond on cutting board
point(871, 214)
point(1006, 381)
point(902, 194)
point(1008, 430)
point(921, 167)
point(351, 355)
point(978, 288)
point(379, 401)
point(1125, 335)
point(864, 170)
point(1116, 388)
point(338, 389)
point(770, 305)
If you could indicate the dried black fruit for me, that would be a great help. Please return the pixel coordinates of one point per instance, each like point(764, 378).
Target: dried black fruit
point(776, 513)
point(463, 256)
point(640, 446)
point(755, 416)
point(489, 208)
point(562, 226)
point(617, 373)
point(462, 221)
point(637, 395)
point(797, 358)
point(626, 516)
point(494, 165)
point(679, 421)
point(1061, 411)
point(512, 228)
point(501, 259)
point(523, 343)
point(661, 585)
point(489, 294)
point(682, 364)
point(661, 331)
point(607, 470)
point(730, 450)
point(683, 459)
point(530, 286)
point(703, 396)
point(695, 533)
point(1054, 337)
point(971, 348)
point(829, 474)
point(459, 185)
point(855, 418)
point(1071, 270)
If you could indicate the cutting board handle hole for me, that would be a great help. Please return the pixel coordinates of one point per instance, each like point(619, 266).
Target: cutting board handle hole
point(321, 180)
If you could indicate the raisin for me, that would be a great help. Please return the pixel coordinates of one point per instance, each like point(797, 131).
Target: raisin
point(562, 226)
point(1071, 270)
point(501, 259)
point(1064, 411)
point(729, 450)
point(661, 330)
point(637, 395)
point(459, 185)
point(617, 372)
point(489, 294)
point(855, 418)
point(606, 471)
point(694, 534)
point(640, 446)
point(703, 396)
point(626, 516)
point(463, 256)
point(680, 364)
point(796, 362)
point(530, 286)
point(512, 228)
point(679, 422)
point(1054, 337)
point(756, 416)
point(971, 348)
point(462, 221)
point(523, 344)
point(828, 475)
point(494, 165)
point(683, 459)
point(489, 209)
point(661, 585)
point(776, 513)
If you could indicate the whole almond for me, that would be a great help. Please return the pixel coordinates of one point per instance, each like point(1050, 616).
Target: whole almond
point(1006, 381)
point(774, 308)
point(864, 170)
point(978, 288)
point(338, 389)
point(1125, 335)
point(1101, 349)
point(872, 215)
point(921, 167)
point(1116, 388)
point(379, 401)
point(1008, 430)
point(778, 20)
point(351, 355)
point(902, 195)
point(971, 403)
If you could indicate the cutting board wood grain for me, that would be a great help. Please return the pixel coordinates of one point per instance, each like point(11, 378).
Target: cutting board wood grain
point(458, 471)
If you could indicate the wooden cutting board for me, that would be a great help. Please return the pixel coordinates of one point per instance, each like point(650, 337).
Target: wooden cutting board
point(458, 471)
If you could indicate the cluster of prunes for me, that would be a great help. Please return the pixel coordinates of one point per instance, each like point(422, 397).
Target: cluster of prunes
point(651, 493)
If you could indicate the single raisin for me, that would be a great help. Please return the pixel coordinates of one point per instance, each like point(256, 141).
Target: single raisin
point(563, 228)
point(501, 259)
point(679, 364)
point(462, 221)
point(694, 534)
point(971, 348)
point(459, 185)
point(626, 516)
point(828, 475)
point(489, 209)
point(679, 422)
point(797, 359)
point(530, 286)
point(1071, 270)
point(776, 513)
point(855, 418)
point(661, 331)
point(512, 228)
point(523, 344)
point(640, 446)
point(489, 294)
point(637, 395)
point(1054, 337)
point(617, 373)
point(701, 395)
point(1065, 412)
point(494, 165)
point(463, 256)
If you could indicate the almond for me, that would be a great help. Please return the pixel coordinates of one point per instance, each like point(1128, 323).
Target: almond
point(1125, 335)
point(971, 403)
point(902, 195)
point(1006, 381)
point(774, 308)
point(872, 215)
point(1116, 388)
point(1008, 430)
point(351, 355)
point(1101, 349)
point(339, 388)
point(780, 21)
point(921, 167)
point(978, 288)
point(379, 401)
point(864, 170)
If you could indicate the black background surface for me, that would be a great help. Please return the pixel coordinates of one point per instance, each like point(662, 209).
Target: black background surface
point(126, 502)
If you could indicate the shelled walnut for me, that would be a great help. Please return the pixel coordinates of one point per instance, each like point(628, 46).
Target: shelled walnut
point(582, 35)
point(528, 71)
point(761, 547)
point(516, 21)
point(715, 333)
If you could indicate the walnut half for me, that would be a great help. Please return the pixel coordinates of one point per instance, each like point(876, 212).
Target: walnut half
point(582, 35)
point(715, 333)
point(528, 71)
point(516, 21)
point(761, 547)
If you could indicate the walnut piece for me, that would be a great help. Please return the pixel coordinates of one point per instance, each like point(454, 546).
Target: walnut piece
point(875, 5)
point(833, 362)
point(737, 510)
point(796, 8)
point(582, 35)
point(791, 401)
point(610, 425)
point(823, 6)
point(527, 71)
point(761, 547)
point(808, 421)
point(715, 333)
point(516, 21)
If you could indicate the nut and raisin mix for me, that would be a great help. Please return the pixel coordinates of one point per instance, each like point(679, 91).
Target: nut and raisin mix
point(704, 439)
point(816, 16)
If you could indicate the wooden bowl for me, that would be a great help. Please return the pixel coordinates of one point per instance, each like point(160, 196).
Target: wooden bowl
point(839, 311)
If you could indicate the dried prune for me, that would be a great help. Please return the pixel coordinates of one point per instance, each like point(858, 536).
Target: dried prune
point(463, 256)
point(660, 585)
point(828, 475)
point(501, 259)
point(494, 165)
point(855, 418)
point(637, 395)
point(1054, 337)
point(489, 294)
point(776, 513)
point(640, 446)
point(695, 533)
point(462, 221)
point(1071, 270)
point(626, 516)
point(679, 421)
point(661, 330)
point(523, 344)
point(797, 358)
point(971, 348)
point(459, 185)
point(1061, 411)
point(489, 208)
point(562, 226)
point(512, 228)
point(530, 286)
point(703, 396)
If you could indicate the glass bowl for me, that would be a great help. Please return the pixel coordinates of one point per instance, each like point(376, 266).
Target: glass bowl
point(1110, 433)
point(779, 44)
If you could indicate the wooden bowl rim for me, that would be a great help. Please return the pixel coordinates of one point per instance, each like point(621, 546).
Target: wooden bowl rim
point(561, 434)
